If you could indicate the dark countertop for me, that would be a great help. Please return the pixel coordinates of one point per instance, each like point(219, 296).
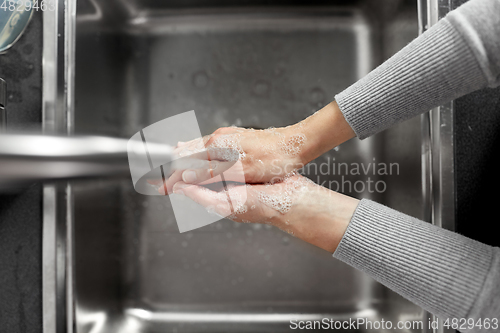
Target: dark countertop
point(477, 139)
point(477, 143)
point(21, 212)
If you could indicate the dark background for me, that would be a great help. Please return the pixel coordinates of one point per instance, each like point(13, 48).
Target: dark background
point(477, 147)
point(21, 210)
point(477, 138)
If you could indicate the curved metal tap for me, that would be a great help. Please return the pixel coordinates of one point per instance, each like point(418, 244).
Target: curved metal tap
point(29, 157)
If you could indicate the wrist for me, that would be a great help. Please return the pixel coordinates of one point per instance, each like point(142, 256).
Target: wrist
point(329, 232)
point(324, 130)
point(322, 218)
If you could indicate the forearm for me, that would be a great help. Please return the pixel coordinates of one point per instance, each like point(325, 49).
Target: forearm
point(458, 55)
point(445, 63)
point(441, 271)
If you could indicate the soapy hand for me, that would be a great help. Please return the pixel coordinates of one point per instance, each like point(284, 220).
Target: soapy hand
point(296, 205)
point(266, 155)
point(271, 192)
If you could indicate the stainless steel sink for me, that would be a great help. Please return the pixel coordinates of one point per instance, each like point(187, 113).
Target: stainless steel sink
point(138, 62)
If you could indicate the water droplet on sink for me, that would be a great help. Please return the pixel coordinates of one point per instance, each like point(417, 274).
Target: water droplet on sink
point(238, 122)
point(261, 88)
point(200, 79)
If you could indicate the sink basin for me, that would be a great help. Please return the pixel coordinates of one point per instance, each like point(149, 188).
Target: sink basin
point(138, 62)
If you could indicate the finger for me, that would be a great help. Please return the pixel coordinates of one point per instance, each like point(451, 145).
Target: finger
point(190, 163)
point(213, 201)
point(198, 151)
point(181, 143)
point(195, 176)
point(190, 147)
point(170, 182)
point(213, 159)
point(197, 159)
point(154, 182)
point(222, 154)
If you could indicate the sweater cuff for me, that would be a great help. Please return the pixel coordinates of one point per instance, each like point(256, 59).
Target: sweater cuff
point(433, 69)
point(439, 270)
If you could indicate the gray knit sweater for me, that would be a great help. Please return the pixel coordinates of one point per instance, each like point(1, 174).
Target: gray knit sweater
point(445, 273)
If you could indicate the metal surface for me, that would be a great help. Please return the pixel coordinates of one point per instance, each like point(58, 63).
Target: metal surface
point(249, 66)
point(438, 148)
point(29, 158)
point(438, 156)
point(57, 110)
point(3, 102)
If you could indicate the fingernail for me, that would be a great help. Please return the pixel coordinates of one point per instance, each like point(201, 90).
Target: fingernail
point(155, 186)
point(178, 188)
point(189, 176)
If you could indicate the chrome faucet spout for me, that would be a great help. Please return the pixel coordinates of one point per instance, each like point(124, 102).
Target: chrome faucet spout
point(30, 157)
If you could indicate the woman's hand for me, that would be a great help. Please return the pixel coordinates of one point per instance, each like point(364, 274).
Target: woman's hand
point(265, 155)
point(296, 205)
point(268, 155)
